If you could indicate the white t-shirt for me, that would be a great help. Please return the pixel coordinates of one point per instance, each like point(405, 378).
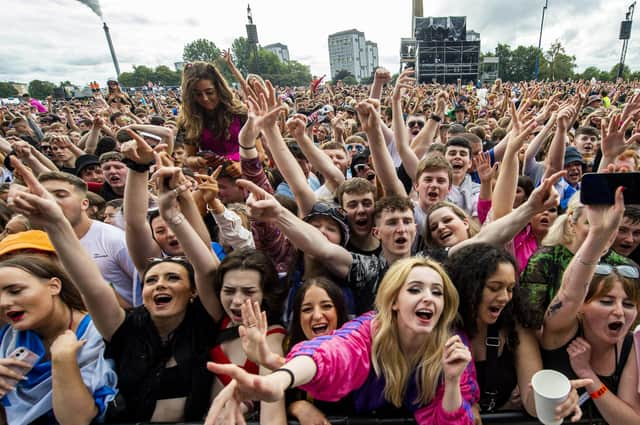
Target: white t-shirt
point(107, 246)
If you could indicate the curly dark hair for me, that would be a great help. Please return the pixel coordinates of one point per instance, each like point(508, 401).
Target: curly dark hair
point(273, 291)
point(333, 291)
point(469, 268)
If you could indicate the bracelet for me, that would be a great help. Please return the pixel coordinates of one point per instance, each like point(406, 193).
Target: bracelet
point(599, 392)
point(293, 377)
point(248, 147)
point(435, 117)
point(132, 165)
point(587, 263)
point(177, 219)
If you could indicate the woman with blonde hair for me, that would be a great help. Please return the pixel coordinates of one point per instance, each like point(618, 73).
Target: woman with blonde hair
point(211, 115)
point(404, 359)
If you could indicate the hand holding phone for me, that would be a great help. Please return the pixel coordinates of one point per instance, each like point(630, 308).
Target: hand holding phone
point(15, 367)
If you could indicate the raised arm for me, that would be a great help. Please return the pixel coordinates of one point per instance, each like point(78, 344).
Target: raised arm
point(248, 91)
point(425, 137)
point(302, 235)
point(136, 202)
point(382, 162)
point(613, 139)
point(165, 134)
point(501, 231)
point(505, 191)
point(560, 321)
point(318, 160)
point(535, 145)
point(171, 184)
point(43, 211)
point(380, 78)
point(409, 158)
point(266, 107)
point(554, 161)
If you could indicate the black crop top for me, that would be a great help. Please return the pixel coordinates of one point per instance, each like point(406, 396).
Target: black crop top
point(558, 359)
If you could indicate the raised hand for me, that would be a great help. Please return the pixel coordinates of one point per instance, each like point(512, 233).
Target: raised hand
point(253, 336)
point(265, 105)
point(545, 196)
point(170, 183)
point(297, 126)
point(483, 166)
point(455, 358)
point(613, 140)
point(137, 149)
point(406, 81)
point(37, 204)
point(604, 220)
point(262, 205)
point(368, 116)
point(208, 185)
point(66, 345)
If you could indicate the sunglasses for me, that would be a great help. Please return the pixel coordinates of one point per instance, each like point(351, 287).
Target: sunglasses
point(414, 123)
point(324, 208)
point(361, 168)
point(355, 147)
point(181, 259)
point(630, 272)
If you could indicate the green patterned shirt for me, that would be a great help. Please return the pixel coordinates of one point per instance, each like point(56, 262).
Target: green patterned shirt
point(542, 278)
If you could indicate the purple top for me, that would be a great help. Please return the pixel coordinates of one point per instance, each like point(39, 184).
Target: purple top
point(229, 148)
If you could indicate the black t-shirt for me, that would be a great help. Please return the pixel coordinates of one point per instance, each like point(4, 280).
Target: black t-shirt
point(140, 361)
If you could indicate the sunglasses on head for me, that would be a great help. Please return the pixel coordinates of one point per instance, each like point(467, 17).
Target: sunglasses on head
point(324, 208)
point(181, 259)
point(419, 123)
point(355, 147)
point(627, 271)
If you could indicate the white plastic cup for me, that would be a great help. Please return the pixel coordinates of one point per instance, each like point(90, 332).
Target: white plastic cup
point(550, 389)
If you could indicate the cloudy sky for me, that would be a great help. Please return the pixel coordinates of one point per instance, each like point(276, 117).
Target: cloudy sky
point(63, 39)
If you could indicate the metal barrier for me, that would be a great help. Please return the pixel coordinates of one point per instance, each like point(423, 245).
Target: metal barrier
point(513, 418)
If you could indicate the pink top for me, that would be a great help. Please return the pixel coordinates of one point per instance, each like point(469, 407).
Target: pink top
point(39, 106)
point(229, 148)
point(343, 363)
point(524, 244)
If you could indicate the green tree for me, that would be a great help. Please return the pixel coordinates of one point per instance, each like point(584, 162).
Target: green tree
point(559, 65)
point(503, 52)
point(634, 76)
point(201, 50)
point(342, 74)
point(242, 55)
point(7, 90)
point(41, 89)
point(589, 73)
point(626, 72)
point(165, 76)
point(350, 80)
point(523, 63)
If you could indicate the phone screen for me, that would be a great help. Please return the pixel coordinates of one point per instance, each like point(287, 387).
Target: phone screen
point(600, 188)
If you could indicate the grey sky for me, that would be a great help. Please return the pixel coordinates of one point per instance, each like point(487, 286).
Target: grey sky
point(62, 39)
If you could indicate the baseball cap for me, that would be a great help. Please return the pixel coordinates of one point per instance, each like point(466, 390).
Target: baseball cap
point(30, 239)
point(333, 211)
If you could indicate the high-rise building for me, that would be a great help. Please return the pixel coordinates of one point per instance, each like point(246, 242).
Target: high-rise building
point(350, 51)
point(280, 50)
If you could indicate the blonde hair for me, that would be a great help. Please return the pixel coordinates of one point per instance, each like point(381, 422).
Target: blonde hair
point(387, 359)
point(560, 231)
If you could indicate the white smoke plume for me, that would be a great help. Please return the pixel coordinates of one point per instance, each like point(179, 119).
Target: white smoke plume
point(93, 5)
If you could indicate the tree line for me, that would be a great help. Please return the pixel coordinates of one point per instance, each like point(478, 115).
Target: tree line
point(555, 64)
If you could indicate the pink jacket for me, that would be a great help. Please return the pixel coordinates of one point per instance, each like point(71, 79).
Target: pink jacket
point(343, 363)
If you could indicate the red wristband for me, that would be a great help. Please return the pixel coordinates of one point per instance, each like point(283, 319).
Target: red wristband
point(599, 392)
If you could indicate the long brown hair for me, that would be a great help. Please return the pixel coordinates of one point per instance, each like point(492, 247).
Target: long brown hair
point(192, 116)
point(43, 267)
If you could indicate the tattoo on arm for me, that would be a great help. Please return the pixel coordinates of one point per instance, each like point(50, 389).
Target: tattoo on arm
point(555, 306)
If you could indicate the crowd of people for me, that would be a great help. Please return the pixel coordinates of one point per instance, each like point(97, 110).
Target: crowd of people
point(234, 251)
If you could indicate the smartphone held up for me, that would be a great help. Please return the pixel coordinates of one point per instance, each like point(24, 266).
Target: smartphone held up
point(600, 188)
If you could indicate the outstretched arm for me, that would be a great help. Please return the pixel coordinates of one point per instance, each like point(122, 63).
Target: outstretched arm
point(503, 230)
point(409, 158)
point(42, 210)
point(302, 235)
